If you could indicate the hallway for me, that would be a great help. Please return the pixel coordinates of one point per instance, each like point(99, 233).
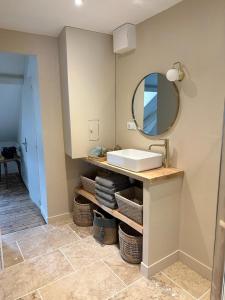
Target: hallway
point(17, 211)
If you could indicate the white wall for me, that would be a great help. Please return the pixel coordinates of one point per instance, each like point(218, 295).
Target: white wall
point(10, 100)
point(10, 94)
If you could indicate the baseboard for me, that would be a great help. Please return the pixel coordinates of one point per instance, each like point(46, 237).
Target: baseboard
point(149, 271)
point(195, 265)
point(62, 218)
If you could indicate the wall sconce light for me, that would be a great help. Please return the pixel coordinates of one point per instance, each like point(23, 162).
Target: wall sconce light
point(176, 73)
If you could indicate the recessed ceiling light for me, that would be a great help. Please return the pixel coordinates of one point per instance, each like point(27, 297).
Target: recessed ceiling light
point(79, 2)
point(138, 2)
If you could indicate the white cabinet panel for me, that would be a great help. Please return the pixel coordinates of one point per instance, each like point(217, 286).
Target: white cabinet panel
point(88, 89)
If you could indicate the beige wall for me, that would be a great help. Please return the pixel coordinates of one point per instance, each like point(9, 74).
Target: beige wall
point(46, 49)
point(193, 32)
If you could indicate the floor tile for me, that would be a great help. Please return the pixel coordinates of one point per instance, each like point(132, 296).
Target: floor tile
point(63, 220)
point(93, 283)
point(22, 234)
point(83, 232)
point(126, 272)
point(32, 296)
point(11, 253)
point(206, 296)
point(188, 279)
point(32, 274)
point(158, 288)
point(104, 250)
point(46, 241)
point(85, 252)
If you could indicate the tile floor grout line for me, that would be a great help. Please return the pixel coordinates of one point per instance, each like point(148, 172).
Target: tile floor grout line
point(31, 292)
point(41, 255)
point(67, 259)
point(67, 245)
point(203, 295)
point(51, 251)
point(24, 238)
point(45, 285)
point(20, 250)
point(34, 257)
point(56, 280)
point(125, 288)
point(176, 284)
point(2, 254)
point(75, 272)
point(108, 267)
point(9, 267)
point(39, 293)
point(68, 225)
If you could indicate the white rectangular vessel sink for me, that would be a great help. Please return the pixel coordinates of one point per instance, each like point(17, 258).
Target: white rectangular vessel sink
point(135, 160)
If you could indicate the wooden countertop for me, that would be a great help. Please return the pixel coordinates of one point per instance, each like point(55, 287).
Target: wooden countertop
point(150, 175)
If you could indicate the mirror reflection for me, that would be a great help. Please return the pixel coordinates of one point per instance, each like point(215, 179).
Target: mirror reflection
point(155, 104)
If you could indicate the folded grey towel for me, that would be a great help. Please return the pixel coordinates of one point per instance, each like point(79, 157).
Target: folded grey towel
point(113, 181)
point(105, 196)
point(105, 189)
point(106, 203)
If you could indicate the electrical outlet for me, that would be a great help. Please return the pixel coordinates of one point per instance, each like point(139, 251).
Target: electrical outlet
point(131, 125)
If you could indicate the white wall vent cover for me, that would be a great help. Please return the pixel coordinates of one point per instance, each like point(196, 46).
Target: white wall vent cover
point(124, 38)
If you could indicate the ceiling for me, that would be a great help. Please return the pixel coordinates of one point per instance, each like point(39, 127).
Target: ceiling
point(50, 16)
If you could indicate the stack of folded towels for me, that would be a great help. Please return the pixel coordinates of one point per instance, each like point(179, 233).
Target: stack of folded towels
point(106, 187)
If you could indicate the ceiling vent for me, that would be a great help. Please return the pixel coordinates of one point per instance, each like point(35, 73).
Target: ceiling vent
point(124, 38)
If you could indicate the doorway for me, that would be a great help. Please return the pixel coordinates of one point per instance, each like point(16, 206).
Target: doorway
point(22, 186)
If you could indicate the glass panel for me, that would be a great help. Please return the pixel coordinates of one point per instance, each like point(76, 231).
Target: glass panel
point(219, 250)
point(155, 104)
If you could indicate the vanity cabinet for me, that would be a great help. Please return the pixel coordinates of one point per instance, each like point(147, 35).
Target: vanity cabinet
point(87, 66)
point(161, 205)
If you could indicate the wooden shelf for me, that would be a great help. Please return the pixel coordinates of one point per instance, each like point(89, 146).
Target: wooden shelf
point(150, 175)
point(114, 212)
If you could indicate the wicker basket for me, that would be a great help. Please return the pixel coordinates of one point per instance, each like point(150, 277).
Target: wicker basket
point(88, 183)
point(105, 228)
point(130, 244)
point(82, 212)
point(130, 203)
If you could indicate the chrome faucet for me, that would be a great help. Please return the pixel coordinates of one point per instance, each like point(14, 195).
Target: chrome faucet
point(166, 154)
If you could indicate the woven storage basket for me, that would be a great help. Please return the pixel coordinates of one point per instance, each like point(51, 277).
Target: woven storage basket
point(105, 228)
point(82, 212)
point(130, 244)
point(88, 183)
point(130, 203)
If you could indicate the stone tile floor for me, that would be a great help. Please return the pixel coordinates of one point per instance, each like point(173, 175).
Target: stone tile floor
point(63, 262)
point(17, 211)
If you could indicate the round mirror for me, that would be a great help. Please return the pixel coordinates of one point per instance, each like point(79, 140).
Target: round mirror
point(155, 104)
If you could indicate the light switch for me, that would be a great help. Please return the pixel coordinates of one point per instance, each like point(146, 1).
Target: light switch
point(93, 127)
